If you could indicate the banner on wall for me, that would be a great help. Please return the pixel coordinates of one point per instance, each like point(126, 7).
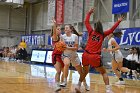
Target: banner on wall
point(131, 36)
point(120, 6)
point(49, 40)
point(38, 55)
point(51, 11)
point(34, 39)
point(60, 11)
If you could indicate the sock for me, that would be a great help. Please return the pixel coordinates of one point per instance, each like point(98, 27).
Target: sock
point(121, 79)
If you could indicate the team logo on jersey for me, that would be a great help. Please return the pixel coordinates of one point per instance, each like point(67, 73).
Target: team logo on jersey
point(96, 38)
point(70, 43)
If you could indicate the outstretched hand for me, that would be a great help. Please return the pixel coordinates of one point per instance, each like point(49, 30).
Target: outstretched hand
point(54, 21)
point(121, 18)
point(92, 10)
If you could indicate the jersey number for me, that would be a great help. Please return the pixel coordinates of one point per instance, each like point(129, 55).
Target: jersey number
point(96, 38)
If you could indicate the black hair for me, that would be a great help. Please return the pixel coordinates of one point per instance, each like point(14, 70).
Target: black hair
point(98, 27)
point(117, 34)
point(73, 30)
point(138, 51)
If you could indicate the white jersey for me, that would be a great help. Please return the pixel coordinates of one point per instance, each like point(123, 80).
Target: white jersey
point(117, 55)
point(129, 57)
point(135, 57)
point(70, 41)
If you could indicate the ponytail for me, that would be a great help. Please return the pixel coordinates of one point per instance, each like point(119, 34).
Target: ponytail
point(98, 27)
point(117, 34)
point(73, 30)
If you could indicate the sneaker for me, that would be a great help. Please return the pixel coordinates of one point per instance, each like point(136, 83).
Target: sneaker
point(18, 60)
point(77, 89)
point(63, 84)
point(108, 89)
point(120, 83)
point(87, 88)
point(57, 88)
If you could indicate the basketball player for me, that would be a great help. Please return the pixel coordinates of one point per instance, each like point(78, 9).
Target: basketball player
point(70, 54)
point(92, 53)
point(56, 55)
point(117, 57)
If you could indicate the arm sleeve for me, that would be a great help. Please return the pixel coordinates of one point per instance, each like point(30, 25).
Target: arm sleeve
point(87, 23)
point(111, 30)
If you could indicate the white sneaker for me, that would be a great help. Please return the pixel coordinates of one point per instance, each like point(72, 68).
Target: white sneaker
point(77, 89)
point(108, 89)
point(57, 88)
point(120, 83)
point(18, 60)
point(87, 88)
point(63, 84)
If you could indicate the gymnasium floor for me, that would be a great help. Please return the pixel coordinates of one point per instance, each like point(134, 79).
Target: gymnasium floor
point(29, 78)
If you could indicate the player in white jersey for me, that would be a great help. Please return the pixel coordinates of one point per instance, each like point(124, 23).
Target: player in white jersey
point(70, 54)
point(117, 57)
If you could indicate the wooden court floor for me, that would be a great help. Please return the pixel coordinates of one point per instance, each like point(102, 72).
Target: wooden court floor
point(26, 78)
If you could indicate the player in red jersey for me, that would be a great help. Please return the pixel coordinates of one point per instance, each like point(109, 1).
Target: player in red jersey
point(92, 54)
point(56, 55)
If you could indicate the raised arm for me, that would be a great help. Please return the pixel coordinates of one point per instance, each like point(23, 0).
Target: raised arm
point(54, 34)
point(111, 30)
point(87, 23)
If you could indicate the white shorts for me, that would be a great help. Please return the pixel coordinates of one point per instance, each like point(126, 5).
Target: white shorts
point(117, 57)
point(74, 59)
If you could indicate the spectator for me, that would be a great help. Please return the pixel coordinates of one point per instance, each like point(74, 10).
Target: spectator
point(23, 44)
point(21, 54)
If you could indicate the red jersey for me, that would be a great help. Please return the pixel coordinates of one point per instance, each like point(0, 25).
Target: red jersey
point(96, 39)
point(56, 51)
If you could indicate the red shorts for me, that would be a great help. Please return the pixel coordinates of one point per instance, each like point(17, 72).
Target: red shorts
point(94, 60)
point(57, 58)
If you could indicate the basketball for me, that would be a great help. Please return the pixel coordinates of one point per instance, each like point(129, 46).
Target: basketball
point(60, 46)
